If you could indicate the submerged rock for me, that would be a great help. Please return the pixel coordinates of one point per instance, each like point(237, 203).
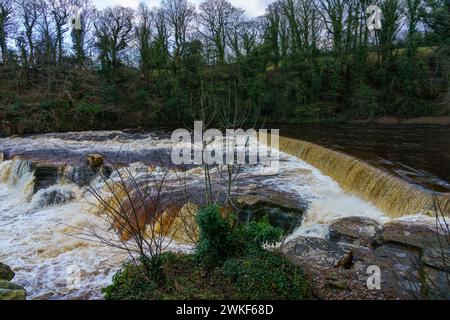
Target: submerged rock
point(95, 161)
point(53, 196)
point(11, 291)
point(359, 231)
point(5, 272)
point(81, 175)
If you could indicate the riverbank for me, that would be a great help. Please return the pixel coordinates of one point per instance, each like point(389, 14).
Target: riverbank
point(359, 258)
point(442, 121)
point(8, 128)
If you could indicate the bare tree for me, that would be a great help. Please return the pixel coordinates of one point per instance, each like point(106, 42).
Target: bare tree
point(215, 19)
point(143, 31)
point(139, 216)
point(236, 31)
point(60, 11)
point(6, 26)
point(179, 14)
point(332, 13)
point(113, 29)
point(29, 13)
point(46, 49)
point(82, 39)
point(390, 28)
point(161, 41)
point(276, 32)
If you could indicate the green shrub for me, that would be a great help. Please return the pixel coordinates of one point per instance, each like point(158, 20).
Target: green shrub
point(258, 234)
point(16, 107)
point(265, 275)
point(364, 102)
point(143, 97)
point(130, 283)
point(217, 240)
point(85, 107)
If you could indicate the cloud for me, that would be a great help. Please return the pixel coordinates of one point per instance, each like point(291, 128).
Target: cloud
point(253, 8)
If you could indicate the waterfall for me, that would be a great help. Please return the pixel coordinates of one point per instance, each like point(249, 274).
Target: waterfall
point(389, 193)
point(19, 174)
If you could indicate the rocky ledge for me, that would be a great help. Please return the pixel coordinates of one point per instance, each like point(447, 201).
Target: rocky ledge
point(413, 260)
point(9, 290)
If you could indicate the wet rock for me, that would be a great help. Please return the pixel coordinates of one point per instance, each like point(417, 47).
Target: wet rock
point(81, 175)
point(413, 234)
point(316, 251)
point(399, 267)
point(359, 231)
point(437, 257)
point(2, 157)
point(95, 161)
point(46, 175)
point(59, 195)
point(11, 291)
point(106, 171)
point(283, 210)
point(436, 284)
point(5, 272)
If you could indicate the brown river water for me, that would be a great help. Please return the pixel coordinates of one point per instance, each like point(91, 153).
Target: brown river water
point(419, 154)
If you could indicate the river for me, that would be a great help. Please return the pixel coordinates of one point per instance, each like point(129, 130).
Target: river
point(39, 239)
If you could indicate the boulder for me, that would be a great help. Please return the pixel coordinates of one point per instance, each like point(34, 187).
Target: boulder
point(106, 171)
point(359, 231)
point(81, 175)
point(316, 252)
point(437, 284)
point(11, 291)
point(95, 161)
point(399, 267)
point(437, 257)
point(5, 272)
point(283, 210)
point(414, 234)
point(46, 175)
point(57, 195)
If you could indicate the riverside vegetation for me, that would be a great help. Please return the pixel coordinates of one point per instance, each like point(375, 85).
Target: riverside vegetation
point(302, 61)
point(229, 263)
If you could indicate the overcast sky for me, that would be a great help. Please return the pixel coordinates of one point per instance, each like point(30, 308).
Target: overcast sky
point(253, 8)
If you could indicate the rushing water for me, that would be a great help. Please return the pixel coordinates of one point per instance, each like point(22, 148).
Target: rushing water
point(39, 241)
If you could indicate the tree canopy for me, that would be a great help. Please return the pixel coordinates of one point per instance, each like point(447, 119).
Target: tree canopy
point(304, 60)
